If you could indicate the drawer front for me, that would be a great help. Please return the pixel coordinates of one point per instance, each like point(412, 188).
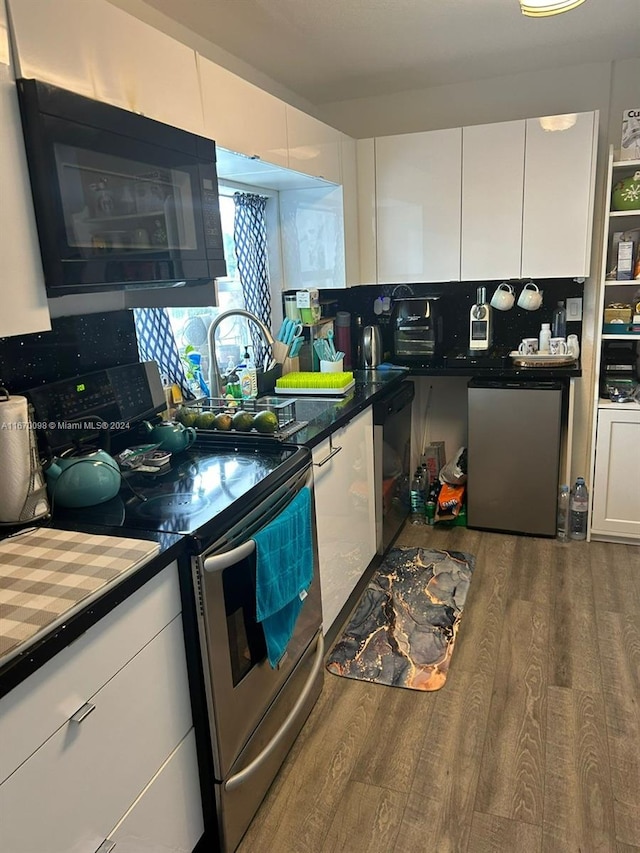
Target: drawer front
point(37, 707)
point(86, 776)
point(167, 817)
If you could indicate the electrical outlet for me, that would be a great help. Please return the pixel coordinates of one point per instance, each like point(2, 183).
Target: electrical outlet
point(574, 309)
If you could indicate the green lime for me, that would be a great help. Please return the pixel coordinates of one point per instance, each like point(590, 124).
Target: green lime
point(206, 420)
point(242, 421)
point(222, 421)
point(265, 421)
point(186, 417)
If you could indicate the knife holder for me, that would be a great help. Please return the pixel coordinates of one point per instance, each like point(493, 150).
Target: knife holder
point(281, 355)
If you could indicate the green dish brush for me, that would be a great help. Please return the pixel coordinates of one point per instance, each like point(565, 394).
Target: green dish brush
point(314, 380)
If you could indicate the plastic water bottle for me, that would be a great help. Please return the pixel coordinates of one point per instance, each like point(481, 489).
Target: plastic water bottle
point(559, 321)
point(564, 499)
point(579, 510)
point(544, 337)
point(417, 499)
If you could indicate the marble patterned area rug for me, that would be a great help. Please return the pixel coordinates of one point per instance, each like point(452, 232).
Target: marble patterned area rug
point(404, 628)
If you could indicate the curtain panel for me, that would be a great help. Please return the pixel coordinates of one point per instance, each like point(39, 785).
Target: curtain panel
point(250, 236)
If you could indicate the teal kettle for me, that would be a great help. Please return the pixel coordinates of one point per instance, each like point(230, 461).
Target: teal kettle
point(82, 478)
point(171, 436)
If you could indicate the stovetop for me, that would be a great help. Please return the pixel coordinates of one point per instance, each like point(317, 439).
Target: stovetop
point(198, 493)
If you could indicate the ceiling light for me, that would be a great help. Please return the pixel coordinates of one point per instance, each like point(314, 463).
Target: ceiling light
point(543, 8)
point(562, 122)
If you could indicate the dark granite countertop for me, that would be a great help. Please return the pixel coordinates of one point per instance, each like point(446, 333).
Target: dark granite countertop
point(35, 655)
point(325, 415)
point(328, 414)
point(528, 373)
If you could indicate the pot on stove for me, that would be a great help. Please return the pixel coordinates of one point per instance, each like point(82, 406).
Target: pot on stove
point(82, 478)
point(171, 436)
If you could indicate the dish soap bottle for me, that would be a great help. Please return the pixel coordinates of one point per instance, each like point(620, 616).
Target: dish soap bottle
point(250, 367)
point(545, 338)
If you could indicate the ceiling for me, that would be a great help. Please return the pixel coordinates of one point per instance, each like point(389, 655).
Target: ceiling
point(336, 50)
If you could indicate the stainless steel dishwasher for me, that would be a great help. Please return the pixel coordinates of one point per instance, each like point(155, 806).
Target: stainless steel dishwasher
point(392, 449)
point(514, 455)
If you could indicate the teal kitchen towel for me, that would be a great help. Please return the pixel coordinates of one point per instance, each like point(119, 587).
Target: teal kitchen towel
point(284, 570)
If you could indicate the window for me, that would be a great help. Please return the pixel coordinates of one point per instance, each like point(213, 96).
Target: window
point(191, 325)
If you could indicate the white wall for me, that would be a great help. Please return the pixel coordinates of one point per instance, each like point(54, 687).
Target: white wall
point(607, 87)
point(140, 10)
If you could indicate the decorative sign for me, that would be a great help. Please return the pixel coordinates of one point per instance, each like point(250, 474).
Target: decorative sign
point(630, 145)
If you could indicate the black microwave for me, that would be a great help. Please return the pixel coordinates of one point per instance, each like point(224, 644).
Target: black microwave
point(121, 201)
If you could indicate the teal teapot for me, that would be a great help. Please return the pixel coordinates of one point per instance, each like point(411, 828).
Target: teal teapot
point(82, 478)
point(171, 436)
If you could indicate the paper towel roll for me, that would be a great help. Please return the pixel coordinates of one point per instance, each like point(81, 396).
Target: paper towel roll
point(19, 467)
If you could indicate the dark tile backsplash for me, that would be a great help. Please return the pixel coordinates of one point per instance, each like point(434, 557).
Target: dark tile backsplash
point(456, 300)
point(74, 345)
point(81, 344)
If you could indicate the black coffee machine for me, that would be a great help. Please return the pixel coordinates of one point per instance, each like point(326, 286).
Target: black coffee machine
point(417, 330)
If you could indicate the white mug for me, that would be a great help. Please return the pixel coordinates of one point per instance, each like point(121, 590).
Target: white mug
point(530, 298)
point(503, 298)
point(558, 346)
point(528, 346)
point(573, 347)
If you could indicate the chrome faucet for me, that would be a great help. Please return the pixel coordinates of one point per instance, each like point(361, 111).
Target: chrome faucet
point(214, 374)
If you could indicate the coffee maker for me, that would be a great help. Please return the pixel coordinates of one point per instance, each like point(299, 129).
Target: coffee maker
point(417, 330)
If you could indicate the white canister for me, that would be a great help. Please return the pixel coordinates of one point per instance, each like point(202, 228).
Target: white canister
point(23, 496)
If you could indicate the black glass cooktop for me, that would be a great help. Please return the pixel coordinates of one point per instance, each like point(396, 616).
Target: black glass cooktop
point(200, 491)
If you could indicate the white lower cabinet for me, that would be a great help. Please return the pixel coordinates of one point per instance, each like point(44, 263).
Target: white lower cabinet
point(167, 817)
point(116, 756)
point(345, 511)
point(616, 493)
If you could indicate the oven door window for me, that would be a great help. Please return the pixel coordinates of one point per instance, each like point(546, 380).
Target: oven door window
point(247, 647)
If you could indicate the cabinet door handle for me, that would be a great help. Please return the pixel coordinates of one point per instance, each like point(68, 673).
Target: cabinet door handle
point(332, 452)
point(79, 716)
point(106, 846)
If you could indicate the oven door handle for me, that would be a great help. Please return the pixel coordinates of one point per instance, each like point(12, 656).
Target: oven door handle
point(220, 562)
point(239, 778)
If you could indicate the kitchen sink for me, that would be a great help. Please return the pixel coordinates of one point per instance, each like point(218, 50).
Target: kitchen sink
point(306, 408)
point(310, 408)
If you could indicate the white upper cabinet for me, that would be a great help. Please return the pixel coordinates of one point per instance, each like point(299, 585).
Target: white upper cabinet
point(559, 183)
point(492, 187)
point(100, 51)
point(241, 117)
point(314, 147)
point(367, 243)
point(22, 289)
point(350, 209)
point(418, 206)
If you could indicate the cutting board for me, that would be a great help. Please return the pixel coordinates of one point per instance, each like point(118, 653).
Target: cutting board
point(48, 575)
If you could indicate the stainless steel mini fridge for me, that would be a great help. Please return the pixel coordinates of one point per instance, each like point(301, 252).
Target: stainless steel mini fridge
point(514, 455)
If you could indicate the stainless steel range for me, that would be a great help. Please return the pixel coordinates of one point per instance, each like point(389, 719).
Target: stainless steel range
point(218, 493)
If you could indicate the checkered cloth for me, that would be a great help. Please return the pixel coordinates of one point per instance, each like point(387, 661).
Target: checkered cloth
point(47, 575)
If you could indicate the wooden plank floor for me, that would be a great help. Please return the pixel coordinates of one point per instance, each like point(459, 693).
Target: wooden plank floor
point(532, 745)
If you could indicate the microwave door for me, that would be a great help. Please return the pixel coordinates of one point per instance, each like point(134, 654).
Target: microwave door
point(116, 208)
